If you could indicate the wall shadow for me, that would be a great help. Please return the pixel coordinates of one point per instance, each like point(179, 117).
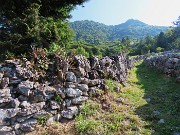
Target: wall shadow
point(162, 94)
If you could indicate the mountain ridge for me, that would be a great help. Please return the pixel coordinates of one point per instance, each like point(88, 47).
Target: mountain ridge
point(94, 32)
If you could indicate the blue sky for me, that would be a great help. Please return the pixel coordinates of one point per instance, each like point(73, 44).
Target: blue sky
point(113, 12)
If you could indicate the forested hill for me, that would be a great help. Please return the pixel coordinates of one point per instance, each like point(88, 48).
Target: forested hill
point(93, 32)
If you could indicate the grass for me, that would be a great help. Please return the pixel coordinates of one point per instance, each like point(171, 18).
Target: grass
point(127, 112)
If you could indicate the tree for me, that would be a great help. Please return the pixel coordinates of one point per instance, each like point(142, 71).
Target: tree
point(161, 40)
point(177, 23)
point(38, 22)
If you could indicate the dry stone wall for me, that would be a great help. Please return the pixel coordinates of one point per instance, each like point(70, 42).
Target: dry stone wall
point(168, 63)
point(25, 96)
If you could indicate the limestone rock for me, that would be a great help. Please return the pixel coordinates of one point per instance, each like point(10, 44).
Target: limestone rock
point(28, 125)
point(83, 87)
point(70, 112)
point(79, 100)
point(6, 130)
point(25, 104)
point(25, 87)
point(53, 119)
point(70, 76)
point(5, 102)
point(4, 82)
point(94, 82)
point(73, 92)
point(1, 75)
point(5, 92)
point(161, 121)
point(68, 102)
point(33, 108)
point(15, 103)
point(70, 85)
point(54, 105)
point(8, 113)
point(60, 93)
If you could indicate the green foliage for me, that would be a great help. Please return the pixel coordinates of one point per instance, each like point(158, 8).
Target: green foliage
point(85, 125)
point(58, 98)
point(110, 83)
point(89, 108)
point(36, 22)
point(81, 50)
point(53, 48)
point(159, 49)
point(97, 33)
point(42, 120)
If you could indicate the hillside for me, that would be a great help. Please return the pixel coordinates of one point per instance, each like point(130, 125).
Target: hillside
point(93, 32)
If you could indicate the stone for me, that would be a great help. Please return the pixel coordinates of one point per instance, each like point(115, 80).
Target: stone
point(27, 128)
point(16, 128)
point(15, 103)
point(21, 119)
point(135, 128)
point(79, 100)
point(94, 62)
point(53, 119)
point(70, 85)
point(25, 73)
point(117, 88)
point(42, 113)
point(106, 61)
point(84, 80)
point(156, 112)
point(5, 102)
point(94, 92)
point(6, 130)
point(93, 75)
point(83, 87)
point(25, 87)
point(68, 102)
point(25, 104)
point(94, 82)
point(82, 62)
point(8, 113)
point(70, 77)
point(50, 121)
point(33, 108)
point(120, 100)
point(168, 63)
point(161, 121)
point(22, 98)
point(60, 93)
point(57, 117)
point(79, 72)
point(54, 105)
point(178, 79)
point(73, 92)
point(5, 92)
point(14, 82)
point(4, 82)
point(49, 92)
point(176, 133)
point(148, 99)
point(37, 98)
point(6, 69)
point(70, 112)
point(1, 75)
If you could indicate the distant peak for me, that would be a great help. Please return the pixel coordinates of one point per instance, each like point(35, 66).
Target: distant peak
point(134, 21)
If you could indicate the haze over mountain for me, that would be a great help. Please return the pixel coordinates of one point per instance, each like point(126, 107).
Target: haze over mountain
point(91, 31)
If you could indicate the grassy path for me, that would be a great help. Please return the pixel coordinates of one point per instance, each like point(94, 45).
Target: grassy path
point(162, 111)
point(148, 105)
